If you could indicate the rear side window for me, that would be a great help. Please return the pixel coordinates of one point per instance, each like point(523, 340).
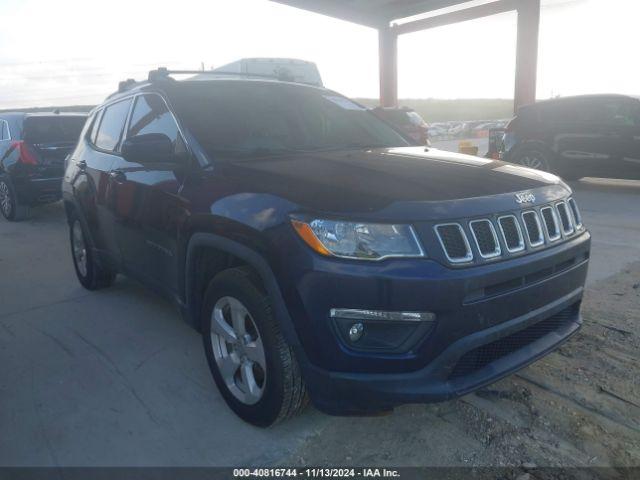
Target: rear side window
point(151, 115)
point(93, 132)
point(4, 130)
point(111, 125)
point(58, 129)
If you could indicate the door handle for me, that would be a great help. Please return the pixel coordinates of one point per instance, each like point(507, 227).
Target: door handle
point(117, 176)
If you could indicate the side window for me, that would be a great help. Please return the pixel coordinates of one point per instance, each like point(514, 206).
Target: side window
point(4, 130)
point(93, 130)
point(151, 115)
point(112, 124)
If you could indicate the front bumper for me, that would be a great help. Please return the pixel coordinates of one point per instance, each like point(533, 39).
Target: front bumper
point(508, 313)
point(466, 365)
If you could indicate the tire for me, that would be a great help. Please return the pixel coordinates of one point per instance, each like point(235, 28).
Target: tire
point(262, 389)
point(10, 208)
point(90, 273)
point(534, 158)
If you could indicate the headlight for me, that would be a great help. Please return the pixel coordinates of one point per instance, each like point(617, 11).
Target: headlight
point(361, 241)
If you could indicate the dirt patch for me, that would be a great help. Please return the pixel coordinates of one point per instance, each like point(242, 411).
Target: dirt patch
point(579, 406)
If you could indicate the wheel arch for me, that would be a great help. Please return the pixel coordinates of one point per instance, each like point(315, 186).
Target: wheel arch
point(229, 254)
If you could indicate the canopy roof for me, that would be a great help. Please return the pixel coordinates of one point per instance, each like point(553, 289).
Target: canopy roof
point(372, 13)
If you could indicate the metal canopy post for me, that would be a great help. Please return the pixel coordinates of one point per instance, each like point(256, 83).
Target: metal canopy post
point(380, 13)
point(388, 67)
point(527, 52)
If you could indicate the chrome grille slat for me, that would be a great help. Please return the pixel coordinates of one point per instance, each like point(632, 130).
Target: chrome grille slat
point(577, 217)
point(551, 223)
point(511, 233)
point(454, 242)
point(533, 228)
point(485, 237)
point(565, 218)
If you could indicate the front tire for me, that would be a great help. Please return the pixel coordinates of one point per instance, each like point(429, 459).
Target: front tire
point(90, 273)
point(251, 363)
point(534, 158)
point(10, 208)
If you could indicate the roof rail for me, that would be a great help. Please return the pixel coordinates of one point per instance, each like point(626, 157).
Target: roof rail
point(163, 73)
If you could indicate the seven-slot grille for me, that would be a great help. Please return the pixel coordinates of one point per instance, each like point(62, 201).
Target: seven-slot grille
point(493, 238)
point(455, 243)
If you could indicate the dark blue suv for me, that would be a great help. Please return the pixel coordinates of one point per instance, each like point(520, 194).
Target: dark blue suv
point(320, 255)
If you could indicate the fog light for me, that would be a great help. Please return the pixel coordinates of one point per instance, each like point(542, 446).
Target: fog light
point(356, 314)
point(356, 331)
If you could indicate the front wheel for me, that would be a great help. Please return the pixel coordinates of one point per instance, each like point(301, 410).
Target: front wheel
point(534, 158)
point(251, 363)
point(90, 273)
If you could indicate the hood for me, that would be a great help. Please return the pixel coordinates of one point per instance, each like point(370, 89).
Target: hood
point(368, 180)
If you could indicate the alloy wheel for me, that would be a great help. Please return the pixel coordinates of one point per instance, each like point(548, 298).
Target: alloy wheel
point(79, 249)
point(238, 350)
point(534, 160)
point(5, 199)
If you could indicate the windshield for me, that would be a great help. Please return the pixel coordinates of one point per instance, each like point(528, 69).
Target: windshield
point(252, 119)
point(63, 129)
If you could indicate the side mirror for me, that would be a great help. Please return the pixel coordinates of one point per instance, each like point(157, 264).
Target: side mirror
point(148, 148)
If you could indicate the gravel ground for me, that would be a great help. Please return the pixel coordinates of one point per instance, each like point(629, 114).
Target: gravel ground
point(579, 406)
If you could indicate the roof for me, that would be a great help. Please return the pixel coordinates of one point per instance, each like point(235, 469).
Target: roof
point(6, 115)
point(372, 13)
point(197, 80)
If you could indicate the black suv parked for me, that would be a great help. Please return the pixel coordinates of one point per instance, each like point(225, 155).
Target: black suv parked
point(32, 151)
point(584, 136)
point(318, 253)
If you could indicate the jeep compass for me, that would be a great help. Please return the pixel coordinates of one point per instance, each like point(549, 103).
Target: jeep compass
point(319, 254)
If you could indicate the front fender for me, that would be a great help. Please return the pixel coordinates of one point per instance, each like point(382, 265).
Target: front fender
point(250, 257)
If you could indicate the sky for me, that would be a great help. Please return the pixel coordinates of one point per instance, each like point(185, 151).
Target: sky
point(70, 52)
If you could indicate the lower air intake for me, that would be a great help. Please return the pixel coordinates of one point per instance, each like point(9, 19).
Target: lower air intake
point(480, 357)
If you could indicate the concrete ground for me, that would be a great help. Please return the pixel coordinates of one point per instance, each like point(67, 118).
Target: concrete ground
point(116, 378)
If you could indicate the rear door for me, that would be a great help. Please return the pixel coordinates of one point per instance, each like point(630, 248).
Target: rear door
point(94, 159)
point(146, 201)
point(586, 143)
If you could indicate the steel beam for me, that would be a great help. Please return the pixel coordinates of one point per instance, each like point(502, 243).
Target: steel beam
point(471, 13)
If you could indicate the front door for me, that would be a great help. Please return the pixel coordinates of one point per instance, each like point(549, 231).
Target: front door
point(146, 201)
